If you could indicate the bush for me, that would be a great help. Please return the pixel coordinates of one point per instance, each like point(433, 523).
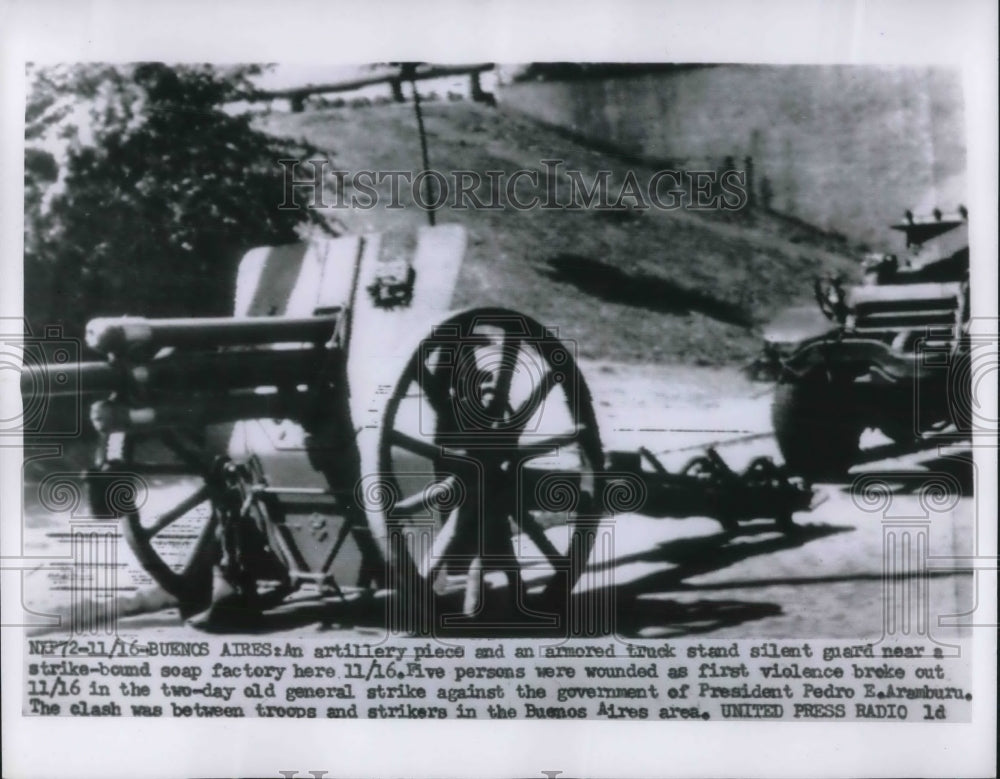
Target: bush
point(142, 191)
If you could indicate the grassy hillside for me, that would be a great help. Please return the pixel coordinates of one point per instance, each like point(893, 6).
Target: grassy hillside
point(677, 286)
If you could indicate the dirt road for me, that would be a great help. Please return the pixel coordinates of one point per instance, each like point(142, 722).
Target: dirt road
point(880, 557)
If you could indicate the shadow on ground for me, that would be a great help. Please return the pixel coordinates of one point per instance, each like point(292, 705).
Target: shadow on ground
point(629, 609)
point(653, 293)
point(637, 613)
point(640, 606)
point(941, 473)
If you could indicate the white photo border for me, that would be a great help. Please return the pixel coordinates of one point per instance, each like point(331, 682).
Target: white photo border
point(962, 34)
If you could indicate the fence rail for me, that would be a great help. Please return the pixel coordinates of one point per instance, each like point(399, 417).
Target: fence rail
point(393, 76)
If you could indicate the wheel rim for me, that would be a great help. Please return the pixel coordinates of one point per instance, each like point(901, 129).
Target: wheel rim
point(489, 461)
point(166, 509)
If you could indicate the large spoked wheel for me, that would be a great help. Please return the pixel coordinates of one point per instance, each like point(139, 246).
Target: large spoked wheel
point(489, 461)
point(166, 491)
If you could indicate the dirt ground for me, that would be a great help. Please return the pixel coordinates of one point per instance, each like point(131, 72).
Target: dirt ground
point(673, 577)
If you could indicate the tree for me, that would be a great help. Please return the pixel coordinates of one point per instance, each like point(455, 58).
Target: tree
point(143, 188)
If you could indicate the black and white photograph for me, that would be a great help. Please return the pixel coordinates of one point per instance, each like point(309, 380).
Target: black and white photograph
point(634, 388)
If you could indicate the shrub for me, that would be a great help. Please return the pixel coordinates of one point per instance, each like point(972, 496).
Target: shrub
point(143, 187)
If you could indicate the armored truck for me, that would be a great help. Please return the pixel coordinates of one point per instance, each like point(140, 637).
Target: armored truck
point(889, 353)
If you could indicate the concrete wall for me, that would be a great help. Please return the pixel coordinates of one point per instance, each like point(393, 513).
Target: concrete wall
point(848, 148)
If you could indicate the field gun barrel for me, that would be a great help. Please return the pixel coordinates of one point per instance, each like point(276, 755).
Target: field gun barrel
point(123, 334)
point(69, 379)
point(225, 371)
point(213, 371)
point(108, 416)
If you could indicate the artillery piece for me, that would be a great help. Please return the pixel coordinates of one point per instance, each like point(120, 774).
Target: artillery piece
point(343, 413)
point(318, 423)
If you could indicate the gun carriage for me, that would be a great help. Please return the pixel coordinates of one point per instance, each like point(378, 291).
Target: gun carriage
point(345, 414)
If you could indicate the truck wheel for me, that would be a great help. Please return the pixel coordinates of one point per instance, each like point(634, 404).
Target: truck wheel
point(817, 426)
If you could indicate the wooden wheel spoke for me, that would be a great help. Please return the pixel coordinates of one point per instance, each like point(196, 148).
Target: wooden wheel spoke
point(509, 349)
point(204, 552)
point(495, 525)
point(178, 511)
point(499, 544)
point(409, 506)
point(534, 531)
point(414, 445)
point(432, 564)
point(549, 445)
point(434, 387)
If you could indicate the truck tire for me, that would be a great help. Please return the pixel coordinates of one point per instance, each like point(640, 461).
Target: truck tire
point(817, 426)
